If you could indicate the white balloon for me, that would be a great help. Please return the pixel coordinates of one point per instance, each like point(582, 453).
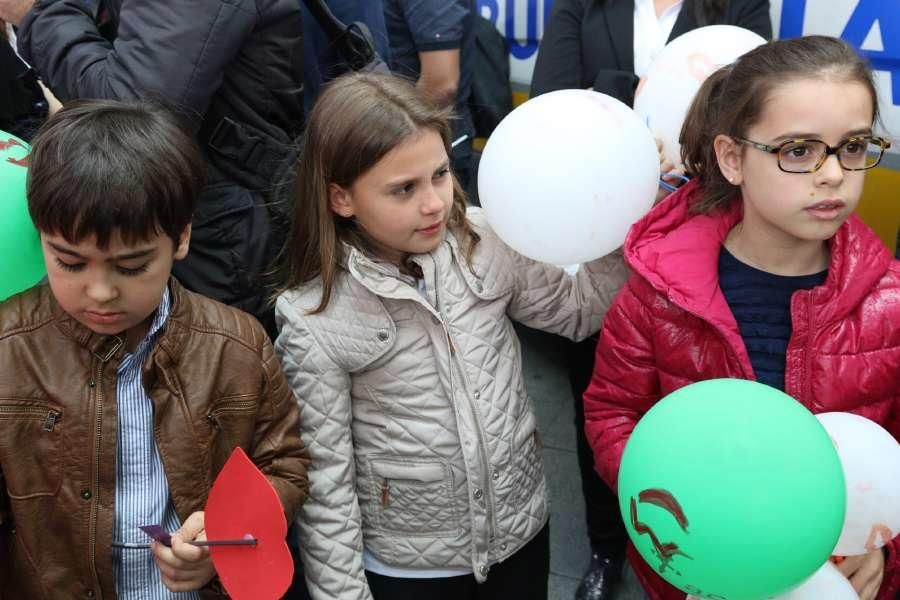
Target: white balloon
point(825, 584)
point(667, 89)
point(565, 174)
point(870, 457)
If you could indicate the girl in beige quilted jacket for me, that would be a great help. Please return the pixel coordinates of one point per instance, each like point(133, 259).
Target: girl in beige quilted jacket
point(426, 474)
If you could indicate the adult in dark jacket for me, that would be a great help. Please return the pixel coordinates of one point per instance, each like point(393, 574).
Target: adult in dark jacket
point(234, 71)
point(433, 43)
point(321, 61)
point(591, 44)
point(22, 106)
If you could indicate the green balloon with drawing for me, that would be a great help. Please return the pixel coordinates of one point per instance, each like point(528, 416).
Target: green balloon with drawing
point(731, 489)
point(21, 260)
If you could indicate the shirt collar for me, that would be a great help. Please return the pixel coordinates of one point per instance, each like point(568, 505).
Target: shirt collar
point(648, 5)
point(159, 321)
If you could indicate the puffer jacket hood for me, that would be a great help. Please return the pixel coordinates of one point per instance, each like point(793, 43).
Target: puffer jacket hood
point(677, 252)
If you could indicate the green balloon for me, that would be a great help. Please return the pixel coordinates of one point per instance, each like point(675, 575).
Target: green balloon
point(731, 489)
point(21, 260)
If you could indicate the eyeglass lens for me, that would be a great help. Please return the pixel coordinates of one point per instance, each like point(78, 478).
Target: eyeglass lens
point(805, 156)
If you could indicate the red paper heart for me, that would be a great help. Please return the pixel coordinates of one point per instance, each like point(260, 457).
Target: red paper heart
point(243, 503)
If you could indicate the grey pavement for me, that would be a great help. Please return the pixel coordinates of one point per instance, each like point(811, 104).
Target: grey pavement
point(546, 378)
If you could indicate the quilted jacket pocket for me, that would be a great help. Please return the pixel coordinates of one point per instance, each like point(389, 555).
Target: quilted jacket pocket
point(414, 497)
point(527, 464)
point(30, 448)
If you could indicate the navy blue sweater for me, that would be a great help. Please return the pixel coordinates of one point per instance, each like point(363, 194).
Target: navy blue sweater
point(761, 304)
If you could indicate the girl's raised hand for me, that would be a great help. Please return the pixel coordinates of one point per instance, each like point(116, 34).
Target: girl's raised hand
point(185, 567)
point(667, 172)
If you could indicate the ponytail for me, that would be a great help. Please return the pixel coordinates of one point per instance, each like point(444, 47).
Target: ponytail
point(698, 153)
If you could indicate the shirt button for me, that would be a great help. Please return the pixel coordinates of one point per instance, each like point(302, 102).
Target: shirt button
point(483, 570)
point(478, 493)
point(86, 494)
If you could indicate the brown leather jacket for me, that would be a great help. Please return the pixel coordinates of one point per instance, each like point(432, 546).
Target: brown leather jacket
point(215, 384)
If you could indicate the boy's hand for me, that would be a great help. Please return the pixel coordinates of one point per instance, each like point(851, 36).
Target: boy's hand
point(865, 573)
point(185, 567)
point(13, 11)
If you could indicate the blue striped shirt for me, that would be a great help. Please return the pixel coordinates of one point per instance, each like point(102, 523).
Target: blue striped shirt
point(142, 490)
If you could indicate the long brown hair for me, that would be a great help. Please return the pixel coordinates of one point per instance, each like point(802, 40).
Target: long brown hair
point(731, 101)
point(356, 121)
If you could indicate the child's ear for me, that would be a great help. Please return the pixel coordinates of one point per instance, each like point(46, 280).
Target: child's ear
point(184, 243)
point(339, 201)
point(729, 155)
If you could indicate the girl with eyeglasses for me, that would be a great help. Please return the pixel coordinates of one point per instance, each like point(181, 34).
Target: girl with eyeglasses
point(758, 269)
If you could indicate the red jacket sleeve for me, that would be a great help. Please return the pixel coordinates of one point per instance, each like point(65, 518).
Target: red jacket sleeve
point(625, 383)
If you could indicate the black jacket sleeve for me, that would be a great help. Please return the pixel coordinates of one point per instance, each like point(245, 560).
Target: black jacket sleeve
point(560, 62)
point(175, 51)
point(558, 65)
point(621, 85)
point(754, 15)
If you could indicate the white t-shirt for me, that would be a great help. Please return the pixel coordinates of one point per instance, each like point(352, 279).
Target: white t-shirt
point(651, 32)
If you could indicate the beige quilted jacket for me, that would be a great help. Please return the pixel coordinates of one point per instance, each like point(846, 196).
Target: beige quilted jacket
point(421, 435)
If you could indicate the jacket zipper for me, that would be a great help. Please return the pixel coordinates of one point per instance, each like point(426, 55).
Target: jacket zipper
point(485, 485)
point(385, 493)
point(719, 333)
point(807, 358)
point(226, 407)
point(97, 385)
point(50, 416)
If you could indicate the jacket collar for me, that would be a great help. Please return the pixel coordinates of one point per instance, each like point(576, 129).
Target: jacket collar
point(678, 253)
point(619, 15)
point(686, 21)
point(384, 279)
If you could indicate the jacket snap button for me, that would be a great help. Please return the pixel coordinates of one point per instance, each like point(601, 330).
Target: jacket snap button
point(478, 286)
point(484, 570)
point(495, 475)
point(478, 494)
point(503, 547)
point(86, 494)
point(89, 593)
point(477, 395)
point(383, 335)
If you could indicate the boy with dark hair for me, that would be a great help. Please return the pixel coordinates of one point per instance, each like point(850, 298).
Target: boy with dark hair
point(121, 393)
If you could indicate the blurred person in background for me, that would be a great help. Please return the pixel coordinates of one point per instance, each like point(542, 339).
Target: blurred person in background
point(607, 45)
